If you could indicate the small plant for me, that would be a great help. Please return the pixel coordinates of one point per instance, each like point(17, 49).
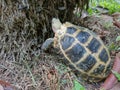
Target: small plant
point(111, 5)
point(118, 38)
point(113, 46)
point(77, 86)
point(117, 75)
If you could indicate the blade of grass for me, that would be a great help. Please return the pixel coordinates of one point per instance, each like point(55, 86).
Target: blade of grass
point(116, 74)
point(30, 72)
point(77, 86)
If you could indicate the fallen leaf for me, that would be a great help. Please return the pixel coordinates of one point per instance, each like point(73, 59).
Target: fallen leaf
point(1, 87)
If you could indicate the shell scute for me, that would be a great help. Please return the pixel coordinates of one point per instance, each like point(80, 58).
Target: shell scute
point(99, 70)
point(71, 30)
point(103, 56)
point(83, 36)
point(66, 42)
point(76, 53)
point(94, 45)
point(87, 63)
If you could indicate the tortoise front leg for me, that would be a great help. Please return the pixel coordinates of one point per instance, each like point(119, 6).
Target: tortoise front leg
point(47, 44)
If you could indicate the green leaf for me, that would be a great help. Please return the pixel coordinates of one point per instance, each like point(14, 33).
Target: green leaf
point(116, 74)
point(77, 86)
point(118, 38)
point(112, 46)
point(118, 48)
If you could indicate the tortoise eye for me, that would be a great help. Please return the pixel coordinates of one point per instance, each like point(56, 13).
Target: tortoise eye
point(59, 32)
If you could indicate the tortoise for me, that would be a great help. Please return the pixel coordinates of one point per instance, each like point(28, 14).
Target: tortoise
point(84, 51)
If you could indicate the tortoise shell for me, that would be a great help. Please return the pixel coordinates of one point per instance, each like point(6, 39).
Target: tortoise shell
point(84, 51)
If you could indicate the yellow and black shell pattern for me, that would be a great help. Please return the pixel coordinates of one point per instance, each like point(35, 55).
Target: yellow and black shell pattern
point(85, 53)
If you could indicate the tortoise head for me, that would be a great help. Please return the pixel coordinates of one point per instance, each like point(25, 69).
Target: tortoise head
point(58, 28)
point(56, 25)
